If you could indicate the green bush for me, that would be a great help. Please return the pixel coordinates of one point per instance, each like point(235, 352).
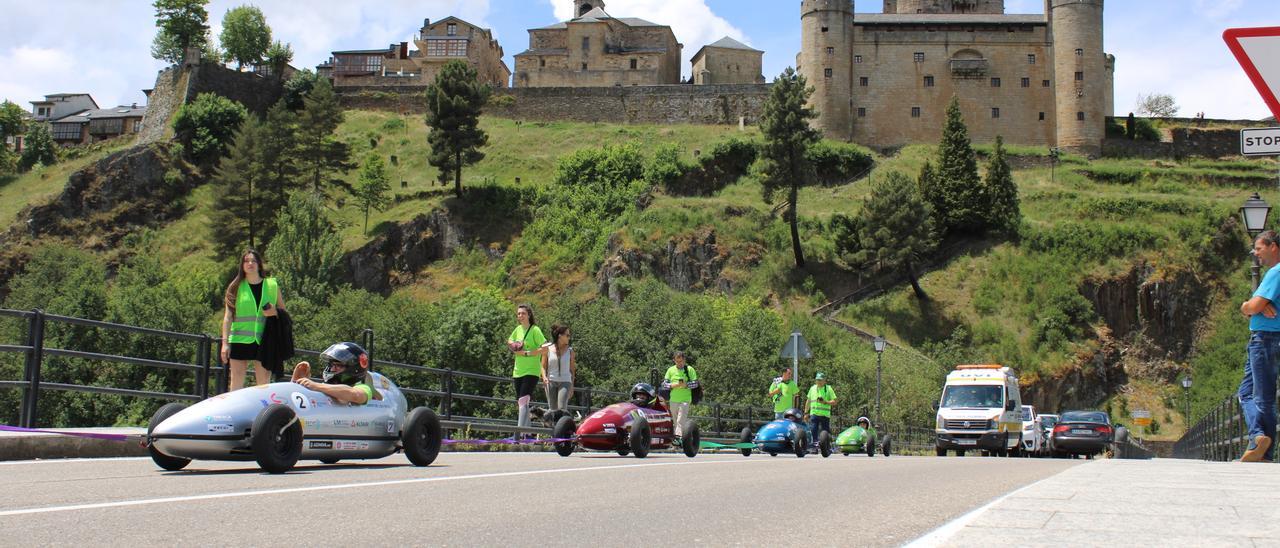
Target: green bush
point(394, 124)
point(1115, 129)
point(728, 161)
point(207, 126)
point(838, 163)
point(1092, 241)
point(1145, 130)
point(666, 169)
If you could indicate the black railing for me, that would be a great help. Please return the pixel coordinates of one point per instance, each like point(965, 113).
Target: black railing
point(1221, 435)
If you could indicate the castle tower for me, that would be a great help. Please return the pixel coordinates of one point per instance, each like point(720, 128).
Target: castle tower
point(581, 7)
point(826, 61)
point(1080, 74)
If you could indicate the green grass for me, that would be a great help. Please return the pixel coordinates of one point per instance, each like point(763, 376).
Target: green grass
point(42, 184)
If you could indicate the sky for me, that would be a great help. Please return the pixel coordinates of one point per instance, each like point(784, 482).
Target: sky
point(102, 47)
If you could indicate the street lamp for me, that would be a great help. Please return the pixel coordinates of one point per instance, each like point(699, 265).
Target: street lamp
point(1254, 213)
point(879, 344)
point(1054, 153)
point(1186, 396)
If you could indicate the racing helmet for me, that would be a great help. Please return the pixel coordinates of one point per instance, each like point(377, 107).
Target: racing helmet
point(643, 392)
point(348, 355)
point(794, 414)
point(862, 420)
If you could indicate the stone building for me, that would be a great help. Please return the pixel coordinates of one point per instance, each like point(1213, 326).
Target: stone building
point(728, 61)
point(596, 49)
point(438, 43)
point(885, 79)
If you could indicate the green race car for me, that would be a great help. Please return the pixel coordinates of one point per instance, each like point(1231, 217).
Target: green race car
point(861, 437)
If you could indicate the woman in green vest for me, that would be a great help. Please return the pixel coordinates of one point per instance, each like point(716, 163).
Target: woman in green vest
point(249, 300)
point(526, 343)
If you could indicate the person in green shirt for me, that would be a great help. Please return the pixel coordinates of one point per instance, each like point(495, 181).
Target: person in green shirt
point(783, 391)
point(818, 405)
point(678, 378)
point(526, 342)
point(346, 375)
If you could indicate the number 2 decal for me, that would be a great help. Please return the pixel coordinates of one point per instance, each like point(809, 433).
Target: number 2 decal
point(299, 400)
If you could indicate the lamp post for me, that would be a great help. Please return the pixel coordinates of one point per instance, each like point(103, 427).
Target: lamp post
point(1186, 396)
point(1254, 213)
point(879, 344)
point(1054, 153)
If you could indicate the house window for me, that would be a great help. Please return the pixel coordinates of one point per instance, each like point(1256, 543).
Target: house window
point(995, 82)
point(824, 29)
point(1080, 116)
point(928, 81)
point(862, 112)
point(831, 50)
point(445, 48)
point(42, 111)
point(862, 81)
point(1031, 58)
point(915, 112)
point(542, 62)
point(826, 72)
point(452, 29)
point(1044, 83)
point(586, 43)
point(137, 126)
point(1026, 82)
point(918, 56)
point(857, 58)
point(995, 112)
point(1041, 116)
point(633, 64)
point(1079, 76)
point(1079, 52)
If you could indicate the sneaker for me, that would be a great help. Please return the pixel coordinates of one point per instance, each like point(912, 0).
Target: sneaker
point(1257, 448)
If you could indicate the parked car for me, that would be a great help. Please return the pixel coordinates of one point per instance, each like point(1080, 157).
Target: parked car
point(1047, 422)
point(1085, 433)
point(1032, 441)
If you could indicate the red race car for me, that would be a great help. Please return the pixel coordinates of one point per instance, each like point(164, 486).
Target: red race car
point(632, 427)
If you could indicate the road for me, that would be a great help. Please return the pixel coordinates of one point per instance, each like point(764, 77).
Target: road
point(490, 499)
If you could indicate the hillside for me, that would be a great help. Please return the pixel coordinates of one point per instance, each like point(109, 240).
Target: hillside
point(1060, 302)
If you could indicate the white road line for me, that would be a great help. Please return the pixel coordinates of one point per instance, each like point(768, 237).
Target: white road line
point(362, 485)
point(948, 530)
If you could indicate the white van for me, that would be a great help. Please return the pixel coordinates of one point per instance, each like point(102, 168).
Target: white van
point(981, 409)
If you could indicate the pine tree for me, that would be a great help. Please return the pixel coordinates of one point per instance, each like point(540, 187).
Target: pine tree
point(957, 196)
point(372, 189)
point(307, 253)
point(787, 138)
point(1003, 213)
point(454, 102)
point(279, 154)
point(320, 153)
point(894, 230)
point(239, 216)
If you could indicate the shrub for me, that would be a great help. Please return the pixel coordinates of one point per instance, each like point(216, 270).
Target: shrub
point(666, 168)
point(727, 162)
point(838, 163)
point(502, 101)
point(1145, 130)
point(394, 124)
point(1115, 128)
point(206, 126)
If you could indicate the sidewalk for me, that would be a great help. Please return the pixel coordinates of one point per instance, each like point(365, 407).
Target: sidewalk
point(26, 446)
point(1161, 502)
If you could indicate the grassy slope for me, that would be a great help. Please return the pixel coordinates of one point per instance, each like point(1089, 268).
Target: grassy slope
point(45, 183)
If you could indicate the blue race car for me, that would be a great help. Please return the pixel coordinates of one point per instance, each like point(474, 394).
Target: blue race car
point(785, 435)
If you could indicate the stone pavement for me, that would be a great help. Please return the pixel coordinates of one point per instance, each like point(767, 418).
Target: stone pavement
point(1161, 502)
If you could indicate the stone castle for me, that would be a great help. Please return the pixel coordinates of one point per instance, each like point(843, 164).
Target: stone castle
point(886, 78)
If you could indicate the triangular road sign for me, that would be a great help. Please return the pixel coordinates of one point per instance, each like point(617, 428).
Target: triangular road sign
point(1258, 51)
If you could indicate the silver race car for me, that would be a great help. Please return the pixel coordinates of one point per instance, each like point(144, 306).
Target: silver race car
point(280, 423)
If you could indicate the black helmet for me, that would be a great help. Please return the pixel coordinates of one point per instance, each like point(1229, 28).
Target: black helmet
point(643, 391)
point(794, 414)
point(348, 355)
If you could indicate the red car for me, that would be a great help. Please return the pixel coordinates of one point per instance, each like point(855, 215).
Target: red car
point(625, 428)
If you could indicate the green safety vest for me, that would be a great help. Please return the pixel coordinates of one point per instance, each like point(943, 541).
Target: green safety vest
point(248, 322)
point(817, 408)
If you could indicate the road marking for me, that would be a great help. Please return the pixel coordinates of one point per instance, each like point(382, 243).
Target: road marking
point(948, 530)
point(362, 485)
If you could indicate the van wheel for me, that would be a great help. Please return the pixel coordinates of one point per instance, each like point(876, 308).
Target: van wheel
point(941, 452)
point(959, 452)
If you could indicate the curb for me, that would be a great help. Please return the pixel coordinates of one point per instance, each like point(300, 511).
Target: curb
point(15, 446)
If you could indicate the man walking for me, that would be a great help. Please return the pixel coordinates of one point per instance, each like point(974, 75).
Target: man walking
point(818, 406)
point(678, 377)
point(1258, 387)
point(783, 391)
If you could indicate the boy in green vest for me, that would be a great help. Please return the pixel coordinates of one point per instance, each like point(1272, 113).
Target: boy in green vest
point(678, 377)
point(818, 405)
point(783, 391)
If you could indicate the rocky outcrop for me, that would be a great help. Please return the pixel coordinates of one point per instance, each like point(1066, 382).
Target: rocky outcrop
point(1164, 307)
point(1097, 373)
point(690, 262)
point(397, 256)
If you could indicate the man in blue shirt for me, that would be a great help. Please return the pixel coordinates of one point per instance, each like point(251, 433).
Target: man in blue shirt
point(1258, 388)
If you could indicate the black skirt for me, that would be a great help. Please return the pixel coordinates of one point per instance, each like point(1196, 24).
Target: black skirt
point(244, 351)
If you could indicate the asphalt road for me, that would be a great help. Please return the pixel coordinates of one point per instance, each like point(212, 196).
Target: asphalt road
point(490, 499)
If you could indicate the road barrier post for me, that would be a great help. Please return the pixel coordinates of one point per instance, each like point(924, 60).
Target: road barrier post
point(35, 357)
point(447, 403)
point(719, 424)
point(202, 360)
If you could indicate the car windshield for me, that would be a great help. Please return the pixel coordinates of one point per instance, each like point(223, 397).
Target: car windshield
point(1048, 421)
point(1027, 413)
point(973, 396)
point(1085, 416)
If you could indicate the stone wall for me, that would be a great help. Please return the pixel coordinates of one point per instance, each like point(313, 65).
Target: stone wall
point(166, 96)
point(676, 104)
point(1185, 142)
point(177, 85)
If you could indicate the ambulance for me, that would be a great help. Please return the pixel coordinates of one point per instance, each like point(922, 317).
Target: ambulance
point(980, 410)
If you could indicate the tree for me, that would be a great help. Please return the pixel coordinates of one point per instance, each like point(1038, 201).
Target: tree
point(298, 87)
point(278, 154)
point(13, 120)
point(307, 253)
point(38, 147)
point(1003, 213)
point(278, 57)
point(454, 102)
point(787, 138)
point(894, 230)
point(245, 36)
point(182, 23)
point(239, 216)
point(1157, 105)
point(318, 150)
point(956, 192)
point(372, 189)
point(206, 126)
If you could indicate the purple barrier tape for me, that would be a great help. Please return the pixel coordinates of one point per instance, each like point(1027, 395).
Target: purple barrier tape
point(506, 441)
point(90, 435)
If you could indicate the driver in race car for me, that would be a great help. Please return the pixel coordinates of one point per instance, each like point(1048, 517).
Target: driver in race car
point(644, 395)
point(346, 375)
point(864, 422)
point(794, 414)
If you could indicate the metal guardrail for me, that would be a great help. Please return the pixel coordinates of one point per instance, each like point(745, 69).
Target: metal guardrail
point(1126, 446)
point(1221, 435)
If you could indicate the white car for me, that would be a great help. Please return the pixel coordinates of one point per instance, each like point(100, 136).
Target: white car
point(1032, 440)
point(1047, 423)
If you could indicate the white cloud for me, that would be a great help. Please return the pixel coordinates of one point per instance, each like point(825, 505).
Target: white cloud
point(1216, 9)
point(693, 22)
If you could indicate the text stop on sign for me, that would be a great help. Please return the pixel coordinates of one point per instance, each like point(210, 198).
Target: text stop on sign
point(1260, 141)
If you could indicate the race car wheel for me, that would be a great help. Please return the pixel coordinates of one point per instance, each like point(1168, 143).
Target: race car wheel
point(746, 438)
point(941, 452)
point(801, 444)
point(422, 436)
point(564, 429)
point(623, 450)
point(276, 438)
point(329, 461)
point(691, 441)
point(824, 443)
point(640, 438)
point(162, 460)
point(885, 447)
point(870, 445)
